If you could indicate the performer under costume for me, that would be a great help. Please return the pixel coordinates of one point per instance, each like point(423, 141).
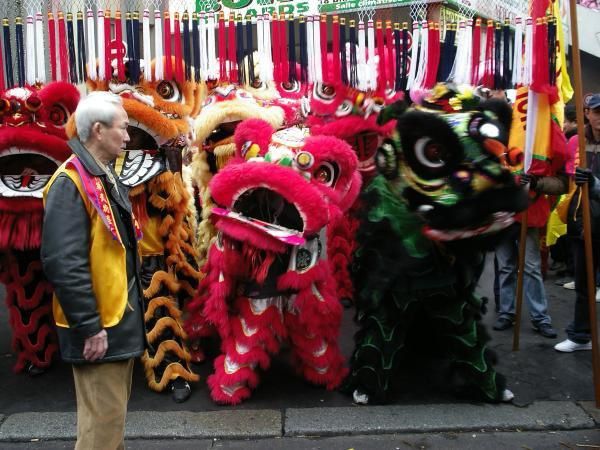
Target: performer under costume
point(159, 116)
point(444, 195)
point(267, 276)
point(32, 145)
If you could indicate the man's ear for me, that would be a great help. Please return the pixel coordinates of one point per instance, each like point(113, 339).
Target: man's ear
point(96, 129)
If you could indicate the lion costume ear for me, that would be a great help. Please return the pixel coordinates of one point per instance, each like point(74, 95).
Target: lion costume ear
point(392, 112)
point(71, 128)
point(252, 137)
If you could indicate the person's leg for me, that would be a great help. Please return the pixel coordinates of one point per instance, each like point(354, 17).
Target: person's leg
point(533, 283)
point(102, 392)
point(579, 330)
point(506, 254)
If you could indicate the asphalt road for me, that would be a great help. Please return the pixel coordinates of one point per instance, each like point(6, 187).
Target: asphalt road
point(534, 373)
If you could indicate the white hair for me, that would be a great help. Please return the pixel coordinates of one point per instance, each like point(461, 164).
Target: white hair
point(99, 106)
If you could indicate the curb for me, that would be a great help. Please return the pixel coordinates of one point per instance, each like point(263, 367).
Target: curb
point(269, 423)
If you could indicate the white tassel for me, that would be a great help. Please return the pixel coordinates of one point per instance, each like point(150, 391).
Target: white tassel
point(260, 45)
point(40, 50)
point(29, 51)
point(361, 58)
point(159, 68)
point(530, 128)
point(267, 46)
point(203, 49)
point(100, 33)
point(147, 50)
point(371, 62)
point(317, 49)
point(91, 42)
point(420, 76)
point(414, 55)
point(464, 72)
point(518, 53)
point(455, 72)
point(213, 64)
point(528, 63)
point(310, 49)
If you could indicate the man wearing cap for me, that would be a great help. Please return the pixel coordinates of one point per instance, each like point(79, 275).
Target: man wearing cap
point(578, 331)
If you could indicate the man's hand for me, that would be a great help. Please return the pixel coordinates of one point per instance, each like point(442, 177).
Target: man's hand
point(583, 176)
point(95, 346)
point(528, 179)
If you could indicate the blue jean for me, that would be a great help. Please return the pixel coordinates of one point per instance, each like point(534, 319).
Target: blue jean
point(507, 253)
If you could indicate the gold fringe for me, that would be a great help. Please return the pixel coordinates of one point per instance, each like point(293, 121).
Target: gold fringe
point(159, 278)
point(162, 324)
point(157, 302)
point(172, 372)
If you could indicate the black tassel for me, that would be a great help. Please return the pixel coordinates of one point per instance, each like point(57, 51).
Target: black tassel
point(343, 64)
point(497, 56)
point(353, 62)
point(507, 68)
point(448, 52)
point(552, 50)
point(196, 45)
point(398, 50)
point(239, 49)
point(8, 61)
point(20, 51)
point(187, 51)
point(249, 51)
point(404, 56)
point(135, 33)
point(81, 48)
point(303, 50)
point(292, 50)
point(72, 57)
point(130, 50)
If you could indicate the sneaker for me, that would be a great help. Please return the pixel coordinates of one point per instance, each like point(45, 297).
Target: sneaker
point(568, 346)
point(597, 295)
point(507, 396)
point(570, 285)
point(502, 324)
point(546, 330)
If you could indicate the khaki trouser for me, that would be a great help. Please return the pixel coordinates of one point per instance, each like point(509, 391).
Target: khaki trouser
point(102, 392)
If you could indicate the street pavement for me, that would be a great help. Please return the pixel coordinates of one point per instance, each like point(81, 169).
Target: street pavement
point(553, 400)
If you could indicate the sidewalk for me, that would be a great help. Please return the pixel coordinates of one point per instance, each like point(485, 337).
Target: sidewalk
point(553, 391)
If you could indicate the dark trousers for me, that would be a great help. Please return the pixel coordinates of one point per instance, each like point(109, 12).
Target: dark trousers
point(579, 329)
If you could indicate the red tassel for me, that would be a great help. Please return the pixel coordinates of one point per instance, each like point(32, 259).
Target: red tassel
point(2, 83)
point(335, 47)
point(433, 56)
point(276, 44)
point(167, 47)
point(178, 54)
point(324, 61)
point(64, 57)
point(476, 55)
point(488, 74)
point(391, 68)
point(222, 48)
point(107, 40)
point(283, 49)
point(382, 78)
point(231, 51)
point(52, 39)
point(540, 78)
point(119, 39)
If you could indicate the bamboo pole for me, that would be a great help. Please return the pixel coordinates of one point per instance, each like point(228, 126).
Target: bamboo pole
point(587, 235)
point(520, 273)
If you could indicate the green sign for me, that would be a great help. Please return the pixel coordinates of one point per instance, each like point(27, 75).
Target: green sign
point(295, 7)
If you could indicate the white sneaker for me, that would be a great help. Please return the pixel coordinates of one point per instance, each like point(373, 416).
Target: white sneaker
point(568, 346)
point(507, 395)
point(570, 285)
point(598, 295)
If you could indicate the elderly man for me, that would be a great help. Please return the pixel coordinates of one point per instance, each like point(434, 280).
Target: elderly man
point(89, 253)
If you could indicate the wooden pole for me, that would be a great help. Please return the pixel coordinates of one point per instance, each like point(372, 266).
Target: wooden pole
point(520, 272)
point(585, 204)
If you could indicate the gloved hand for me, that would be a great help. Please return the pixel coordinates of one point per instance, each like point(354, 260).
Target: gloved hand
point(583, 176)
point(527, 178)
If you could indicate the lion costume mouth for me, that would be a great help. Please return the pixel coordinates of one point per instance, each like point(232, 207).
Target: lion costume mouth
point(25, 172)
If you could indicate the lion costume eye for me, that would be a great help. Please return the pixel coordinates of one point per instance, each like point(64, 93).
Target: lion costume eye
point(168, 91)
point(324, 92)
point(58, 115)
point(344, 109)
point(290, 86)
point(429, 153)
point(326, 173)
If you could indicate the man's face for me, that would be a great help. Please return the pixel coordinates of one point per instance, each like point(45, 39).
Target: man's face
point(115, 136)
point(593, 116)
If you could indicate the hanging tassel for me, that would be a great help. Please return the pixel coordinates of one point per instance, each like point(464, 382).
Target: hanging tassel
point(433, 58)
point(231, 50)
point(371, 61)
point(135, 23)
point(414, 55)
point(101, 45)
point(498, 65)
point(239, 34)
point(187, 52)
point(540, 80)
point(467, 58)
point(422, 62)
point(488, 73)
point(82, 57)
point(30, 78)
point(130, 48)
point(292, 75)
point(303, 50)
point(107, 39)
point(343, 57)
point(283, 49)
point(353, 60)
point(63, 50)
point(517, 65)
point(268, 45)
point(203, 47)
point(260, 45)
point(2, 81)
point(552, 50)
point(52, 43)
point(91, 46)
point(213, 65)
point(249, 51)
point(310, 49)
point(335, 50)
point(323, 47)
point(72, 57)
point(361, 57)
point(398, 57)
point(506, 56)
point(39, 49)
point(159, 65)
point(405, 58)
point(528, 60)
point(318, 64)
point(195, 46)
point(476, 53)
point(147, 49)
point(222, 48)
point(389, 43)
point(8, 54)
point(179, 76)
point(447, 52)
point(168, 66)
point(120, 55)
point(276, 49)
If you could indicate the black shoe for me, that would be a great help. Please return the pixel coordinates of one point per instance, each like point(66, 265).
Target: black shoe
point(34, 371)
point(502, 324)
point(546, 330)
point(180, 390)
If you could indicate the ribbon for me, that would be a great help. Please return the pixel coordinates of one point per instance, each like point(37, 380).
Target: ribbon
point(30, 53)
point(414, 55)
point(72, 56)
point(159, 63)
point(527, 75)
point(187, 52)
point(310, 49)
point(447, 53)
point(168, 68)
point(405, 59)
point(268, 46)
point(82, 57)
point(517, 64)
point(179, 76)
point(260, 44)
point(92, 73)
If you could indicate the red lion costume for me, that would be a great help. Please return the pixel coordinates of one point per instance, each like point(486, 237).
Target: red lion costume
point(33, 144)
point(267, 276)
